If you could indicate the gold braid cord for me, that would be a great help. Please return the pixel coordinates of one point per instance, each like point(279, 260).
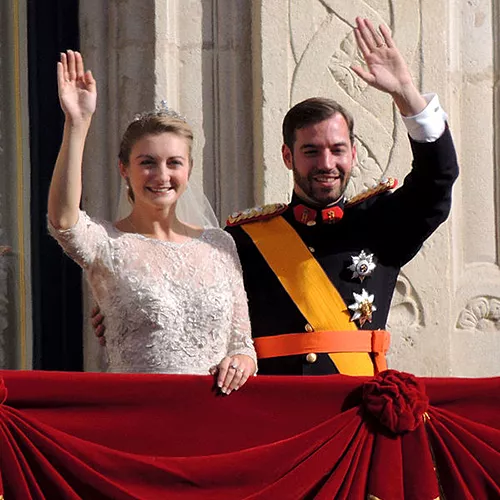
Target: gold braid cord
point(381, 187)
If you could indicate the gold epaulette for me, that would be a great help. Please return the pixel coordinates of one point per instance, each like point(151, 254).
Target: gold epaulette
point(256, 213)
point(384, 185)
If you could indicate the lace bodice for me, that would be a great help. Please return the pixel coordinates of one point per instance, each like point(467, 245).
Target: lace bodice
point(169, 307)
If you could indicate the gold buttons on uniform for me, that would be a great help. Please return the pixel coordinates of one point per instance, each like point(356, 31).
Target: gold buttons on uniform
point(311, 357)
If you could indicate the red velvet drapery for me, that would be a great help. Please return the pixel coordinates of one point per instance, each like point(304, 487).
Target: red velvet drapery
point(96, 436)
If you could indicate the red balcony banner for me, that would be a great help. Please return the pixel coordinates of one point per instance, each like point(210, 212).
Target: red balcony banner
point(116, 436)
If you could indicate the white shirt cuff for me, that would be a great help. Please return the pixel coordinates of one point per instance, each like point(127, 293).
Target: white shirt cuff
point(429, 124)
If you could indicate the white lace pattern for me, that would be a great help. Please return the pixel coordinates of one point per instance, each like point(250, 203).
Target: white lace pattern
point(169, 307)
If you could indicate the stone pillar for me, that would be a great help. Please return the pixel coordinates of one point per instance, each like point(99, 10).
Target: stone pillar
point(273, 68)
point(476, 218)
point(15, 270)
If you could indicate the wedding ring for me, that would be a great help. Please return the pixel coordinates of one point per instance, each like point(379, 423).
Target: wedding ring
point(234, 367)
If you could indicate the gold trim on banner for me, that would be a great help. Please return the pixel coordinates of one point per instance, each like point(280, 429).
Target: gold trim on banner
point(373, 497)
point(19, 181)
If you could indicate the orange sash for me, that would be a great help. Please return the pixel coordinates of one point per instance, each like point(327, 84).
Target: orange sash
point(308, 286)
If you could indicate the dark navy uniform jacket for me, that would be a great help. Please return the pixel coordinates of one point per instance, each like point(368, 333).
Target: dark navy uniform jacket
point(392, 226)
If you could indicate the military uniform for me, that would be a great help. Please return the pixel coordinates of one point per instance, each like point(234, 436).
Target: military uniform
point(388, 227)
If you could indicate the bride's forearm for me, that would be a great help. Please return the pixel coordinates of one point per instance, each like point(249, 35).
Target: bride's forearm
point(66, 185)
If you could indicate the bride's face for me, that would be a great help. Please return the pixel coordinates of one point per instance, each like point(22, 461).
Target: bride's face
point(158, 169)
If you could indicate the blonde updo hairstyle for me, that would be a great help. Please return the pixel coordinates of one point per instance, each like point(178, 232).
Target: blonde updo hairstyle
point(153, 123)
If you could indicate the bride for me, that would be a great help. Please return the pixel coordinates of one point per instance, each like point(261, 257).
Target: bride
point(172, 292)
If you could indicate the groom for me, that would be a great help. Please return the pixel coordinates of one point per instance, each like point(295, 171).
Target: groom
point(320, 272)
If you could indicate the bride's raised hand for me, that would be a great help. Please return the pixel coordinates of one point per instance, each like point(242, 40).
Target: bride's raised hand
point(77, 88)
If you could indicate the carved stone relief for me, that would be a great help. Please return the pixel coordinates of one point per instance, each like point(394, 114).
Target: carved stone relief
point(481, 313)
point(406, 307)
point(405, 323)
point(323, 52)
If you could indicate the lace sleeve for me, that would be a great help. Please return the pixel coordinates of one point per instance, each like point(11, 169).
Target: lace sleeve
point(83, 241)
point(240, 340)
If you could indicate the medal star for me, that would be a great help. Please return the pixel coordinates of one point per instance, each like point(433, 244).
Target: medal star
point(363, 308)
point(362, 265)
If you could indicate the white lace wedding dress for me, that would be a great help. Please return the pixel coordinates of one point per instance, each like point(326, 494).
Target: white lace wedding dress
point(169, 307)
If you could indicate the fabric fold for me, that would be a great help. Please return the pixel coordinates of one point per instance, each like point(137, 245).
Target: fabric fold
point(106, 436)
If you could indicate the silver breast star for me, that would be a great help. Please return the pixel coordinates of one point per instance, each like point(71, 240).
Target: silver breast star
point(362, 265)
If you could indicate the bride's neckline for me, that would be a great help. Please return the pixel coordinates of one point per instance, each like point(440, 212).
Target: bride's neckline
point(189, 239)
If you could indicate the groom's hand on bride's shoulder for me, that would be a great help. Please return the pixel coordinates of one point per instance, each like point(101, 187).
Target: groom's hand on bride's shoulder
point(97, 320)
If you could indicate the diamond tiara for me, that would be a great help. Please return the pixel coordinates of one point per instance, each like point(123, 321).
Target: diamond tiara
point(161, 109)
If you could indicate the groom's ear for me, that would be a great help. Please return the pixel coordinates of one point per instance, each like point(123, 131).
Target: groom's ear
point(287, 156)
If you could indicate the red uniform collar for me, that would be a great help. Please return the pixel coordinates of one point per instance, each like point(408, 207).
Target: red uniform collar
point(310, 216)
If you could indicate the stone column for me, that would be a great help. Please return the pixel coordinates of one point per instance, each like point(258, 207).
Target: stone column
point(476, 218)
point(15, 270)
point(273, 67)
